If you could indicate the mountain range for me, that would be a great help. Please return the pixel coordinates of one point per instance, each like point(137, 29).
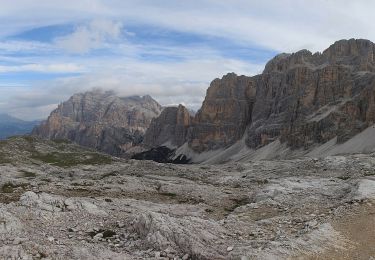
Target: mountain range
point(302, 104)
point(10, 126)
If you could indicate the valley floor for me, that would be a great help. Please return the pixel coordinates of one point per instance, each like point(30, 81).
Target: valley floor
point(60, 201)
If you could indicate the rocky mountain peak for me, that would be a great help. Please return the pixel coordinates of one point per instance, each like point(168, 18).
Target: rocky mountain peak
point(170, 128)
point(101, 120)
point(357, 53)
point(285, 61)
point(317, 100)
point(352, 47)
point(224, 114)
point(301, 100)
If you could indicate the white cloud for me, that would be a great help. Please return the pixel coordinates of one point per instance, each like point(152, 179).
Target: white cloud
point(168, 83)
point(43, 68)
point(25, 46)
point(284, 25)
point(92, 36)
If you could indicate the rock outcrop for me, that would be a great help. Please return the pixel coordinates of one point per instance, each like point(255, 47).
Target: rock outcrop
point(306, 98)
point(169, 129)
point(300, 99)
point(225, 113)
point(101, 120)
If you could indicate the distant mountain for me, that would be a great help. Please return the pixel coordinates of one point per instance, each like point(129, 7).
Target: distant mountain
point(101, 120)
point(10, 126)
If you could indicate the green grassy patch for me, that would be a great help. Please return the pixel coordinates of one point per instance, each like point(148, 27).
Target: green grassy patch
point(10, 187)
point(344, 178)
point(29, 138)
point(109, 174)
point(237, 202)
point(61, 141)
point(4, 158)
point(28, 174)
point(72, 159)
point(168, 194)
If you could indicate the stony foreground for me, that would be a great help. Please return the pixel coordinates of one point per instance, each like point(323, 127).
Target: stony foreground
point(59, 201)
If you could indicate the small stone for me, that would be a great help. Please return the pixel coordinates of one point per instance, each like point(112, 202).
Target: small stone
point(17, 241)
point(51, 239)
point(229, 248)
point(120, 224)
point(186, 257)
point(157, 254)
point(170, 250)
point(98, 236)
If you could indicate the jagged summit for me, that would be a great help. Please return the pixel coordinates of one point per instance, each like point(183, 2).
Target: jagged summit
point(301, 100)
point(169, 129)
point(101, 120)
point(353, 52)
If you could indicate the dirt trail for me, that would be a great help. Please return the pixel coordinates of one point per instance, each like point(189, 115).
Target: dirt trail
point(359, 228)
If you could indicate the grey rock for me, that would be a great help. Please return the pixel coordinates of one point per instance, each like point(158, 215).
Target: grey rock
point(98, 236)
point(225, 113)
point(101, 120)
point(300, 99)
point(170, 128)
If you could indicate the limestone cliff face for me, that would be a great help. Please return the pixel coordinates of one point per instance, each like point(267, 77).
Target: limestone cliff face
point(300, 98)
point(225, 113)
point(169, 129)
point(306, 98)
point(102, 121)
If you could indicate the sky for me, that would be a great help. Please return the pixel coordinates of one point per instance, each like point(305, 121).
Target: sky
point(169, 49)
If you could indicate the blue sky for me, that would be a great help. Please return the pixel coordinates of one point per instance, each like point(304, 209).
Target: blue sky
point(170, 49)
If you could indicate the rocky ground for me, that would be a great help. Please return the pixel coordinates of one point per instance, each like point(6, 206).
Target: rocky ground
point(60, 201)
